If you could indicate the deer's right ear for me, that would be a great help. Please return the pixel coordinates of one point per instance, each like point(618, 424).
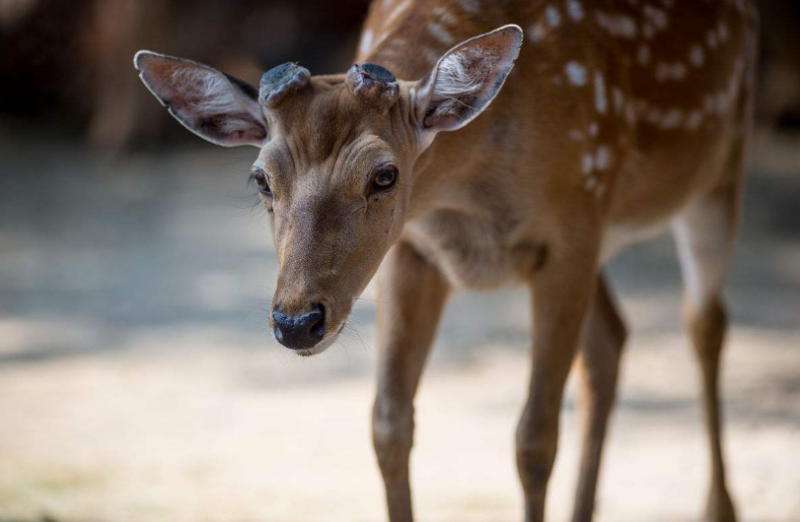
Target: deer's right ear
point(466, 79)
point(217, 107)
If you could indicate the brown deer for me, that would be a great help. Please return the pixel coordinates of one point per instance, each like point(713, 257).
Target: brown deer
point(621, 118)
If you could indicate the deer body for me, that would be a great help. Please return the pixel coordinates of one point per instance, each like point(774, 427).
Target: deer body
point(621, 117)
point(660, 138)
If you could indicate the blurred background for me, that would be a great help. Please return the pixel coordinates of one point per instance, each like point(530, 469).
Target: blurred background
point(139, 380)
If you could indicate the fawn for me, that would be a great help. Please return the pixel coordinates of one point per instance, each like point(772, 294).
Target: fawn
point(620, 118)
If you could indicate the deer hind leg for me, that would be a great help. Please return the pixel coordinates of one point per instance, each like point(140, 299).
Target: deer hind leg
point(704, 237)
point(598, 367)
point(413, 294)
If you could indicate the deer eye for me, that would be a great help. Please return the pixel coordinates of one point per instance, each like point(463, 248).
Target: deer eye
point(261, 181)
point(385, 178)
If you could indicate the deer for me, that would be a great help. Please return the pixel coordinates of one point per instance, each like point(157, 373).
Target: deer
point(452, 157)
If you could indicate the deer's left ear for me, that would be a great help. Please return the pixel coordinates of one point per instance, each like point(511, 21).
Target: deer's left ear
point(466, 79)
point(217, 107)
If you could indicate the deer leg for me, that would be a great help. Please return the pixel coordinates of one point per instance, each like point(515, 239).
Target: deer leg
point(598, 366)
point(703, 234)
point(413, 293)
point(561, 295)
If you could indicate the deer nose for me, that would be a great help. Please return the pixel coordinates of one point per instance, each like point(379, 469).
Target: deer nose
point(300, 332)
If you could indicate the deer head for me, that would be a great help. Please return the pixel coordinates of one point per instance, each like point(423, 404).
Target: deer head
point(336, 158)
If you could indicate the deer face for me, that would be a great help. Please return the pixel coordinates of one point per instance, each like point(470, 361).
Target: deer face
point(336, 160)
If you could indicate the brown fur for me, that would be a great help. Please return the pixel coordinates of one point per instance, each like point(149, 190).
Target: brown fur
point(512, 178)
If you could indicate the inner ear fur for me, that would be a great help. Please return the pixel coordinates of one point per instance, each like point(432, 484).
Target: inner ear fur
point(216, 106)
point(467, 78)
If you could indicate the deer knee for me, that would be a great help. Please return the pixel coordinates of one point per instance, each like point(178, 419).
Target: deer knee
point(392, 434)
point(536, 450)
point(707, 326)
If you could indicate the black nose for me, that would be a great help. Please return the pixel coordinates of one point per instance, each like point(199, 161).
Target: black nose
point(299, 332)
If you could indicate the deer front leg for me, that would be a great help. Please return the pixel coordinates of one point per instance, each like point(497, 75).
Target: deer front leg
point(598, 368)
point(561, 294)
point(412, 296)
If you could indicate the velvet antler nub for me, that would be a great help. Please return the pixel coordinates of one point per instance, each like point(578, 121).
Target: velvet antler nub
point(282, 81)
point(373, 84)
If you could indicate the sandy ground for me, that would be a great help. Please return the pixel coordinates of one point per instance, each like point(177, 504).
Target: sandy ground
point(138, 381)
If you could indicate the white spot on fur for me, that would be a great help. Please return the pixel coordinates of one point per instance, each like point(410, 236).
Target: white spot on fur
point(658, 17)
point(576, 73)
point(366, 43)
point(446, 16)
point(602, 157)
point(440, 34)
point(552, 16)
point(397, 11)
point(619, 99)
point(470, 6)
point(697, 56)
point(575, 10)
point(617, 25)
point(537, 32)
point(587, 164)
point(394, 47)
point(380, 39)
point(600, 99)
point(594, 129)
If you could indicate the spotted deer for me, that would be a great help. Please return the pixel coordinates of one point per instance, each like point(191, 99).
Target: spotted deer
point(620, 118)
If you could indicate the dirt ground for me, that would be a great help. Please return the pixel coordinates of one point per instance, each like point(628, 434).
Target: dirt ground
point(138, 380)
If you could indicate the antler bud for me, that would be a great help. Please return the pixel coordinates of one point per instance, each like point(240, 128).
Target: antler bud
point(281, 81)
point(373, 84)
